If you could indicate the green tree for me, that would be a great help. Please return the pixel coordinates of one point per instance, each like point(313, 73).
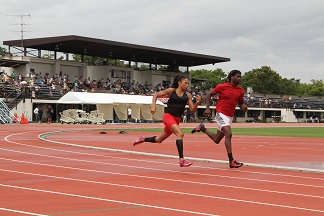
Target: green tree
point(78, 58)
point(144, 67)
point(89, 60)
point(289, 86)
point(266, 81)
point(316, 88)
point(48, 56)
point(262, 80)
point(51, 56)
point(211, 77)
point(162, 68)
point(3, 52)
point(303, 89)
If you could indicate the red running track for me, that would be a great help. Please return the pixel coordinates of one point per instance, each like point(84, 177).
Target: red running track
point(44, 178)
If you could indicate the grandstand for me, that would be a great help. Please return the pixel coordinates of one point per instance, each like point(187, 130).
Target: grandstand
point(49, 79)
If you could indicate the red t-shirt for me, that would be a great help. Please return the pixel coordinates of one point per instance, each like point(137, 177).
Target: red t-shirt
point(229, 96)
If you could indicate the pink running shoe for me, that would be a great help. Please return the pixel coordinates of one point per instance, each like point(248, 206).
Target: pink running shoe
point(185, 163)
point(199, 128)
point(139, 140)
point(235, 164)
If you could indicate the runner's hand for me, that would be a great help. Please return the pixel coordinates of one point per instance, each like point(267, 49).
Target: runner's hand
point(243, 107)
point(153, 109)
point(198, 99)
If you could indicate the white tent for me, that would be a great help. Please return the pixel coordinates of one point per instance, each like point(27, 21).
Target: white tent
point(107, 103)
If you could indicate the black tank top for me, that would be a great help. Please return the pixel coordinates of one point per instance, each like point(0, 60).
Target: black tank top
point(176, 104)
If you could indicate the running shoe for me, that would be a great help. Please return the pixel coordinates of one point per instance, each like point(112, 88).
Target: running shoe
point(139, 140)
point(185, 163)
point(235, 164)
point(199, 128)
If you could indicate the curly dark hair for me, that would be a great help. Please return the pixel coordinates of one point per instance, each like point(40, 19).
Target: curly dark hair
point(232, 73)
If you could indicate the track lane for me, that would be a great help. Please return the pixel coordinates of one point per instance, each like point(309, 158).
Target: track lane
point(204, 181)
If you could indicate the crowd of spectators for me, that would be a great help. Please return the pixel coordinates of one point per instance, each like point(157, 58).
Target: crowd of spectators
point(63, 84)
point(268, 102)
point(276, 101)
point(41, 85)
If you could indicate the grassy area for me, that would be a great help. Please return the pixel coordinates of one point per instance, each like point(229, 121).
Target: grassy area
point(285, 131)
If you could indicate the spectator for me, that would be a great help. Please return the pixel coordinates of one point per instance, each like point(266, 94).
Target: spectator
point(192, 117)
point(40, 113)
point(36, 114)
point(184, 117)
point(311, 119)
point(13, 75)
point(284, 98)
point(129, 112)
point(50, 112)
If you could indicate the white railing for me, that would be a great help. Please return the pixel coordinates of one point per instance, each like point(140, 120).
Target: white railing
point(6, 115)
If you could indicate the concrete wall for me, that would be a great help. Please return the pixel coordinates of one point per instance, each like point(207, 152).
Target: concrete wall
point(105, 72)
point(50, 66)
point(26, 108)
point(77, 69)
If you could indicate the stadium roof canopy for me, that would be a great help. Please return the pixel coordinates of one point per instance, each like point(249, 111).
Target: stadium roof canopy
point(11, 63)
point(116, 50)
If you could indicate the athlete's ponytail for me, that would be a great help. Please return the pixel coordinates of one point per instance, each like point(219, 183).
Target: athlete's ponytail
point(177, 79)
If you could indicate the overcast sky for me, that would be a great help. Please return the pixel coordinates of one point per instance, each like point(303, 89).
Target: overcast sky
point(287, 35)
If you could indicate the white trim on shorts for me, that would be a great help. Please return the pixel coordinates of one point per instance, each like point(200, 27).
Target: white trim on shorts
point(223, 120)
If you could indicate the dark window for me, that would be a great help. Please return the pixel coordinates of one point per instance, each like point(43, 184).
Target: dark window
point(269, 114)
point(239, 113)
point(118, 74)
point(298, 114)
point(253, 113)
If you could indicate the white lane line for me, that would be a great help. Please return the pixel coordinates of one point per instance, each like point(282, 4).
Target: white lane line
point(43, 137)
point(164, 170)
point(107, 200)
point(21, 212)
point(205, 160)
point(165, 179)
point(182, 193)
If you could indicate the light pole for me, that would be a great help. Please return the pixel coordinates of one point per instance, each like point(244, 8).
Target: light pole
point(22, 24)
